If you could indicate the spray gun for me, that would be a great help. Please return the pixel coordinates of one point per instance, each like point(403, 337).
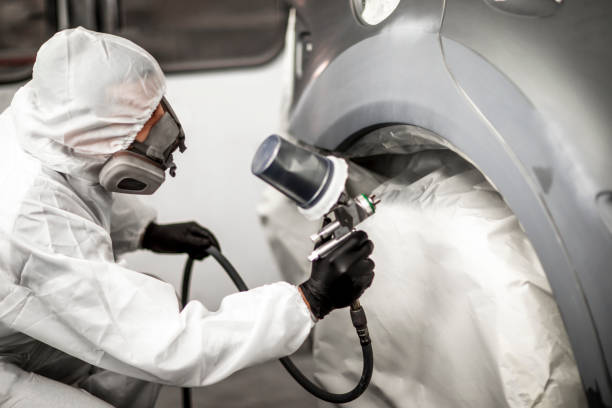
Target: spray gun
point(347, 213)
point(317, 185)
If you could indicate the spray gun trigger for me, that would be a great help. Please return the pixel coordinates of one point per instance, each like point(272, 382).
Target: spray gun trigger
point(327, 248)
point(325, 233)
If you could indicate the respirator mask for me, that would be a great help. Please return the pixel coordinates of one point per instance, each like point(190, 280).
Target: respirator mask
point(140, 169)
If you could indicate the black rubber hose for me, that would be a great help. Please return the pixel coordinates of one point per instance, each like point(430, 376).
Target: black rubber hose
point(366, 345)
point(364, 381)
point(186, 281)
point(229, 268)
point(186, 392)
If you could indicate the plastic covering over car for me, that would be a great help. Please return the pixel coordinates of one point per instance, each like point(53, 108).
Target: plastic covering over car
point(460, 313)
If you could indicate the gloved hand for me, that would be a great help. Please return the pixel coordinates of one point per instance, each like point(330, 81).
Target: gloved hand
point(341, 277)
point(186, 237)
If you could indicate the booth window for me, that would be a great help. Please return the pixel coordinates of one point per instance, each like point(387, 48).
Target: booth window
point(204, 34)
point(24, 26)
point(183, 35)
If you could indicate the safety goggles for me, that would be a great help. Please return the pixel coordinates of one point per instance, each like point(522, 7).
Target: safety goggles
point(165, 137)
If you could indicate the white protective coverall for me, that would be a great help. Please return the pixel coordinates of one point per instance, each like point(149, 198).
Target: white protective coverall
point(62, 293)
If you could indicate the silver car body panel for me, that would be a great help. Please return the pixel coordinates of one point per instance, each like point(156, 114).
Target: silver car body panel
point(526, 99)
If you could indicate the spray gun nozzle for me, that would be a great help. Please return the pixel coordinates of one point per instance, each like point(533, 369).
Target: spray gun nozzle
point(375, 200)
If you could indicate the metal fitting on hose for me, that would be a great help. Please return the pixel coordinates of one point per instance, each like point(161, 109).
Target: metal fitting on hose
point(360, 322)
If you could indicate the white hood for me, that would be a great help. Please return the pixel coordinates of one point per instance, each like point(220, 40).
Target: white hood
point(89, 96)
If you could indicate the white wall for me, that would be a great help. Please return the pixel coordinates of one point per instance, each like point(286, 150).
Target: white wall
point(225, 114)
point(6, 94)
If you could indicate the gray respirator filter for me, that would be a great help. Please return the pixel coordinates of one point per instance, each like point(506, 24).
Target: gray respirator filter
point(130, 173)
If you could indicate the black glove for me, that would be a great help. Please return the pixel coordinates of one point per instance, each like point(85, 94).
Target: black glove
point(186, 237)
point(341, 277)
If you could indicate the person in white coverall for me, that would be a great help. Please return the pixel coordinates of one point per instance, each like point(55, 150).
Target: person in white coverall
point(79, 329)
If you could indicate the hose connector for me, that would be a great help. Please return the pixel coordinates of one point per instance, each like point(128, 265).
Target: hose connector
point(360, 322)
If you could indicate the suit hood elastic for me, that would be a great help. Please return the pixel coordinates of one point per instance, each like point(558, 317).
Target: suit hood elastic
point(89, 96)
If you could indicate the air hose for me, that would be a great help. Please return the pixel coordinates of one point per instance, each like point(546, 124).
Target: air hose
point(358, 318)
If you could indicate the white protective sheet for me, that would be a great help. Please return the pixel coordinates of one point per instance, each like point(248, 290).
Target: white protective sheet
point(460, 312)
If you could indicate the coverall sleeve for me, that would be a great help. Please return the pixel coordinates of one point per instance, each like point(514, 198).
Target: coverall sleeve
point(129, 219)
point(71, 295)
